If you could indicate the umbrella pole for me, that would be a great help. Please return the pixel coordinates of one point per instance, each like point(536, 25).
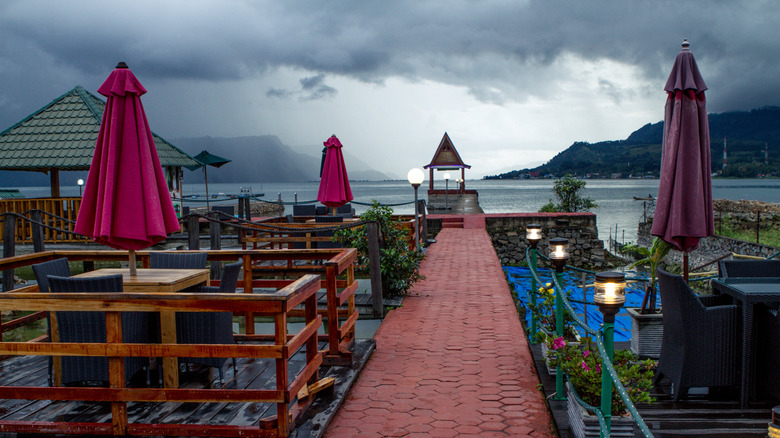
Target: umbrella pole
point(206, 179)
point(333, 211)
point(685, 266)
point(133, 271)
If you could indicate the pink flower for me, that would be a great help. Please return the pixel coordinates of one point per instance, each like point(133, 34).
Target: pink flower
point(558, 343)
point(584, 365)
point(598, 368)
point(587, 353)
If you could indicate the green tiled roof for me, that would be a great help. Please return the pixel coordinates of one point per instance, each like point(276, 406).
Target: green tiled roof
point(63, 134)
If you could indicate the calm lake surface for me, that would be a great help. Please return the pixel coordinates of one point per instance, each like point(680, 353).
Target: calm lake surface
point(614, 197)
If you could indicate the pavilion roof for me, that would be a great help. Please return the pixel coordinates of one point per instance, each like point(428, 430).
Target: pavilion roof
point(446, 156)
point(62, 135)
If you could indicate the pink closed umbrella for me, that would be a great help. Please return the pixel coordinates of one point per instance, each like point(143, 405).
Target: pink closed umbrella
point(683, 213)
point(334, 182)
point(126, 204)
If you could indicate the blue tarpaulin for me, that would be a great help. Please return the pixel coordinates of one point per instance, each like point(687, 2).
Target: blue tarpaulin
point(520, 279)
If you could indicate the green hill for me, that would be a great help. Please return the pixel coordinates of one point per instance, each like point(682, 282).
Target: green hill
point(748, 133)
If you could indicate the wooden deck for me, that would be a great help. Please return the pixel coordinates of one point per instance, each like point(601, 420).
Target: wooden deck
point(698, 416)
point(252, 374)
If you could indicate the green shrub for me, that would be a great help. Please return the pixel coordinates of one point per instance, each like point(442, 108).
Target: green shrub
point(399, 264)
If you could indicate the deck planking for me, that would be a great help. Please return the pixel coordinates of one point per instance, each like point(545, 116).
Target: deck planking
point(252, 374)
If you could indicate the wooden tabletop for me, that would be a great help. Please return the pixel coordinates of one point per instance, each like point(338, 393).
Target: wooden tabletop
point(155, 280)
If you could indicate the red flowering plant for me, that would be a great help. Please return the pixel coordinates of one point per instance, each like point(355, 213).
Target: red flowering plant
point(582, 365)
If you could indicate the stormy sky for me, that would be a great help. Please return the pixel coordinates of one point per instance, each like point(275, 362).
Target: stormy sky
point(512, 82)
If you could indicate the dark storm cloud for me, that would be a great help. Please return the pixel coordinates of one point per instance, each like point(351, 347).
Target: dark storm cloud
point(500, 51)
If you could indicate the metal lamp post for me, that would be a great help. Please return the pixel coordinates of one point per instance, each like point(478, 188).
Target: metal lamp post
point(80, 183)
point(416, 177)
point(446, 187)
point(609, 294)
point(533, 233)
point(559, 255)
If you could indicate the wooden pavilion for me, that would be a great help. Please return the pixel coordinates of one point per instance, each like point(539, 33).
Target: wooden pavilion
point(62, 136)
point(447, 158)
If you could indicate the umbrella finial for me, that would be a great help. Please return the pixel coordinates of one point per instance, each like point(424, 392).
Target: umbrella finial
point(685, 44)
point(121, 65)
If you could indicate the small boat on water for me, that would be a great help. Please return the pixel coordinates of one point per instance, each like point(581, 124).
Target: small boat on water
point(648, 198)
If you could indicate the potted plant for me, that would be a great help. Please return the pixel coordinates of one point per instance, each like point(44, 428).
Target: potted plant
point(647, 321)
point(582, 365)
point(545, 312)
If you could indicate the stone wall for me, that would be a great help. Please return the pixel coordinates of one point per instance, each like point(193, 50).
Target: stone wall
point(507, 232)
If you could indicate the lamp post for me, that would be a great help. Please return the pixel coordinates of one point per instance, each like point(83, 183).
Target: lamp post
point(609, 294)
point(446, 187)
point(80, 183)
point(533, 233)
point(416, 177)
point(559, 254)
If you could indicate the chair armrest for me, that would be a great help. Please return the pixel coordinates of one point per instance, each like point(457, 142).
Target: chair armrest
point(715, 300)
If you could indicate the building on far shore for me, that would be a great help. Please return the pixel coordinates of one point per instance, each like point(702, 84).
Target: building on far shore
point(456, 200)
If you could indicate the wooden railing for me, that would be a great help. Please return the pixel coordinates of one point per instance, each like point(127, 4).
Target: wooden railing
point(278, 306)
point(58, 213)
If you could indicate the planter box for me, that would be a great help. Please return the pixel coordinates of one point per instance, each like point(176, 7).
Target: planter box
point(583, 424)
point(647, 332)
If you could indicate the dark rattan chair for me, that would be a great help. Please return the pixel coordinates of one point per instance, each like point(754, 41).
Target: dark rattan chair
point(177, 260)
point(304, 210)
point(91, 327)
point(327, 219)
point(210, 327)
point(700, 345)
point(749, 268)
point(58, 267)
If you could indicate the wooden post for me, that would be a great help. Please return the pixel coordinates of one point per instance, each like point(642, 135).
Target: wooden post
point(758, 225)
point(372, 235)
point(423, 222)
point(37, 231)
point(281, 207)
point(240, 207)
point(193, 232)
point(215, 233)
point(9, 250)
point(247, 209)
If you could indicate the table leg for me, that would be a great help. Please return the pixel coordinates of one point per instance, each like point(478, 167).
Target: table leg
point(170, 365)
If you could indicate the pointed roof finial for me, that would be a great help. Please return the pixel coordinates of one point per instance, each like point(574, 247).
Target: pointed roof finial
point(685, 44)
point(121, 65)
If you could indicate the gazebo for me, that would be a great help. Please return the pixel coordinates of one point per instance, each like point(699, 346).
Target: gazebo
point(62, 136)
point(447, 158)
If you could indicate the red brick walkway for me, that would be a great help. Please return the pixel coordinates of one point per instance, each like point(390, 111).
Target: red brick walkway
point(453, 360)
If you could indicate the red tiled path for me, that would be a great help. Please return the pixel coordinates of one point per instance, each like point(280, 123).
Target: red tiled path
point(453, 360)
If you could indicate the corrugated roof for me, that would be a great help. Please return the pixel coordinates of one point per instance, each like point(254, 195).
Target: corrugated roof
point(63, 134)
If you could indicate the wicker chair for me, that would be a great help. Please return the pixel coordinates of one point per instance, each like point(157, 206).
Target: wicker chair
point(177, 260)
point(91, 327)
point(210, 327)
point(60, 268)
point(749, 268)
point(700, 346)
point(327, 219)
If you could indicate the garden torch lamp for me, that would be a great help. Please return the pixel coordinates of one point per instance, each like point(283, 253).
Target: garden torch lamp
point(559, 254)
point(609, 294)
point(416, 177)
point(80, 183)
point(533, 233)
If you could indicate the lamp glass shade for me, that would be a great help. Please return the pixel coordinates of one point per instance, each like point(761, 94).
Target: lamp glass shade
point(447, 176)
point(415, 176)
point(533, 232)
point(80, 182)
point(559, 249)
point(610, 288)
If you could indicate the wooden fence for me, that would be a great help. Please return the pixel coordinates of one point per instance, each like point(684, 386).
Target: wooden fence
point(57, 213)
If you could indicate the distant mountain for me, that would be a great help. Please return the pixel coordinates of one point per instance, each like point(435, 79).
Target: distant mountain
point(264, 159)
point(747, 133)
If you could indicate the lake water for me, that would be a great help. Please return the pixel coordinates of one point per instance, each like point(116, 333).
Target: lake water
point(614, 197)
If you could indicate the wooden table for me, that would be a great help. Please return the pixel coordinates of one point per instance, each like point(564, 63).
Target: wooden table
point(159, 280)
point(749, 291)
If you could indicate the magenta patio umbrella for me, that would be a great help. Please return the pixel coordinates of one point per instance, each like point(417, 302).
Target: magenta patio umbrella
point(683, 213)
point(126, 204)
point(334, 182)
